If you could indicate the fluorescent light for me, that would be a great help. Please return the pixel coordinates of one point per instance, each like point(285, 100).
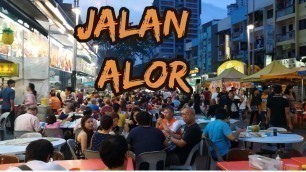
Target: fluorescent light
point(20, 21)
point(70, 38)
point(26, 25)
point(250, 26)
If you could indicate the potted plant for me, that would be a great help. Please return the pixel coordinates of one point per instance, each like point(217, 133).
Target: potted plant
point(7, 36)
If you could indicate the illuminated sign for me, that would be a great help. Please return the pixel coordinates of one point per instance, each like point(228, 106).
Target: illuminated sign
point(238, 65)
point(227, 47)
point(9, 69)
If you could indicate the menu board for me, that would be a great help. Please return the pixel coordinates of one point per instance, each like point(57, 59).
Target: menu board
point(85, 67)
point(61, 58)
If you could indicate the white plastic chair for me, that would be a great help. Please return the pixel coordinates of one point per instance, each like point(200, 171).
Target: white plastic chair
point(71, 144)
point(189, 165)
point(31, 135)
point(3, 118)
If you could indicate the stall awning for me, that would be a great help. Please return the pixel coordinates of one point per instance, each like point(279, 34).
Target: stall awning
point(228, 75)
point(26, 12)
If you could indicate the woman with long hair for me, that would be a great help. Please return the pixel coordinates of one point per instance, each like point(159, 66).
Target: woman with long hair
point(132, 123)
point(84, 138)
point(290, 96)
point(31, 95)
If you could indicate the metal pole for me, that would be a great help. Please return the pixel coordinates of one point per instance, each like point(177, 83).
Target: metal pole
point(73, 77)
point(302, 89)
point(249, 50)
point(22, 57)
point(253, 36)
point(49, 56)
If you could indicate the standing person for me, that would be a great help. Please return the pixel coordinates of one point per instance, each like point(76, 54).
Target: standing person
point(30, 97)
point(197, 103)
point(290, 96)
point(69, 98)
point(263, 106)
point(243, 104)
point(255, 100)
point(222, 97)
point(231, 105)
point(8, 96)
point(215, 94)
point(278, 114)
point(207, 97)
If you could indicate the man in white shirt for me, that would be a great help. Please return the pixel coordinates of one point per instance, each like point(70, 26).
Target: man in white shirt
point(215, 94)
point(28, 121)
point(38, 154)
point(169, 123)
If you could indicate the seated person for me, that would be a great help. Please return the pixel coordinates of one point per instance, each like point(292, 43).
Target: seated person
point(107, 108)
point(28, 121)
point(37, 157)
point(115, 127)
point(95, 108)
point(84, 138)
point(168, 124)
point(54, 102)
point(68, 113)
point(145, 138)
point(113, 153)
point(192, 136)
point(220, 133)
point(132, 123)
point(99, 136)
point(52, 123)
point(86, 112)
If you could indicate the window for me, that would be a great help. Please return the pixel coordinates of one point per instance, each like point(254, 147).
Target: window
point(302, 24)
point(302, 1)
point(284, 30)
point(270, 13)
point(290, 27)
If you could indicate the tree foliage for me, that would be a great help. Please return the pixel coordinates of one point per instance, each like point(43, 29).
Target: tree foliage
point(131, 48)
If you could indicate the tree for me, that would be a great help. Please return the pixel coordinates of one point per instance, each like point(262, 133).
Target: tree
point(128, 48)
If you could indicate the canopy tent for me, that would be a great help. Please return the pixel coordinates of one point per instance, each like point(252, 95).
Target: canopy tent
point(273, 68)
point(294, 73)
point(228, 75)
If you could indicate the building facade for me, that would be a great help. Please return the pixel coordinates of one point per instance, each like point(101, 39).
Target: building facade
point(172, 48)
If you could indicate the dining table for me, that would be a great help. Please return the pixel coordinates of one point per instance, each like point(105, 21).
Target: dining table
point(261, 137)
point(18, 146)
point(244, 165)
point(82, 165)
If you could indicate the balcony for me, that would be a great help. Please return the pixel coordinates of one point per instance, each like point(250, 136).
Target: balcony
point(285, 37)
point(285, 11)
point(236, 35)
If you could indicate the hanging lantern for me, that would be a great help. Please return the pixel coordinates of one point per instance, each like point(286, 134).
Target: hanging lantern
point(7, 36)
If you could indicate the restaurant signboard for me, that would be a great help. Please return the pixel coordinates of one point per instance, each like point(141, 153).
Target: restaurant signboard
point(9, 69)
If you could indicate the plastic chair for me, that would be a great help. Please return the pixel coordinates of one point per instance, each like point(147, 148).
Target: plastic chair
point(17, 134)
point(155, 160)
point(8, 159)
point(190, 163)
point(89, 154)
point(31, 135)
point(3, 121)
point(238, 154)
point(202, 126)
point(71, 144)
point(285, 153)
point(58, 156)
point(212, 163)
point(53, 132)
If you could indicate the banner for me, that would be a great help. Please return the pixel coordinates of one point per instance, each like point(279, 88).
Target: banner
point(9, 69)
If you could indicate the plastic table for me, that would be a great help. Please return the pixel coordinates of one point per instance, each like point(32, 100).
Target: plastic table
point(18, 146)
point(244, 165)
point(84, 165)
point(280, 138)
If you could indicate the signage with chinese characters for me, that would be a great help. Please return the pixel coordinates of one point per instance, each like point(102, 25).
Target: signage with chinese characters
point(9, 69)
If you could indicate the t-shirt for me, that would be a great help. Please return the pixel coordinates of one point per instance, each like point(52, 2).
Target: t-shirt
point(264, 100)
point(232, 108)
point(121, 120)
point(94, 107)
point(97, 140)
point(146, 139)
point(55, 103)
point(7, 94)
point(243, 103)
point(174, 125)
point(106, 110)
point(217, 131)
point(192, 135)
point(206, 95)
point(277, 105)
point(222, 98)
